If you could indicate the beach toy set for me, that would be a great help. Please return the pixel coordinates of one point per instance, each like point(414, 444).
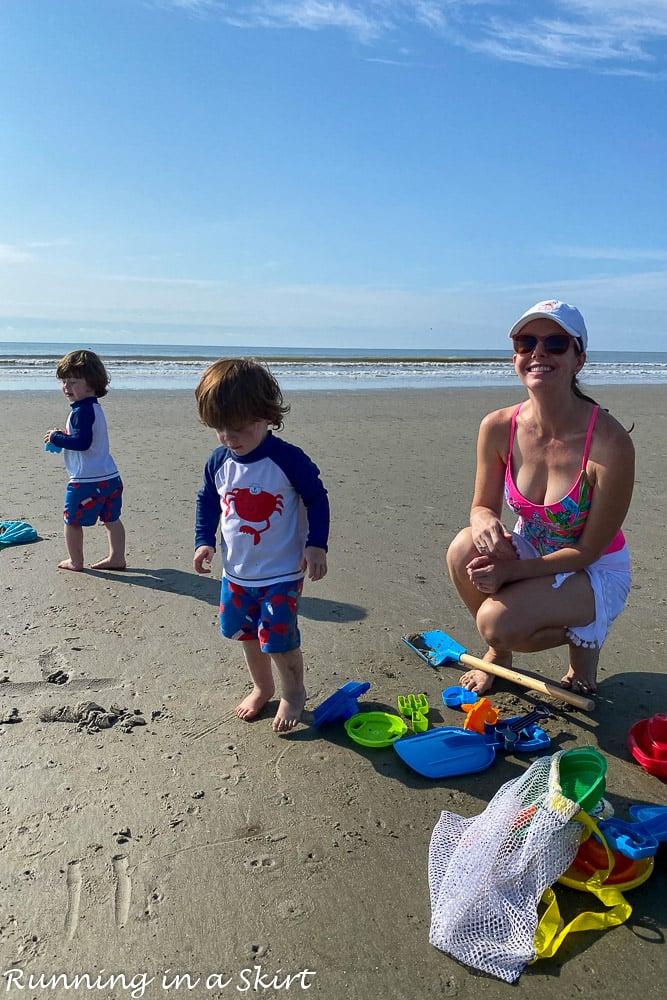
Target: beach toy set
point(453, 750)
point(383, 729)
point(492, 877)
point(517, 733)
point(371, 729)
point(446, 751)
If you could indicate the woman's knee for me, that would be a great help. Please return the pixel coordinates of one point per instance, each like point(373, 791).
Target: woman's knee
point(459, 551)
point(497, 624)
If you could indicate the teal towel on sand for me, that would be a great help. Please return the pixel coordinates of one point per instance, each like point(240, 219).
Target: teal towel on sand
point(16, 533)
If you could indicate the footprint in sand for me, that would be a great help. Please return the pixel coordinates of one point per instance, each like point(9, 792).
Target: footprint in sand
point(294, 909)
point(73, 898)
point(123, 889)
point(152, 907)
point(311, 854)
point(259, 950)
point(256, 864)
point(449, 987)
point(54, 666)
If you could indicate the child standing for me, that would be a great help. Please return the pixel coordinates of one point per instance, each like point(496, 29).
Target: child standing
point(95, 489)
point(275, 525)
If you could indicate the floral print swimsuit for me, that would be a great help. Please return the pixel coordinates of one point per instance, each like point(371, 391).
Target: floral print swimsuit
point(551, 527)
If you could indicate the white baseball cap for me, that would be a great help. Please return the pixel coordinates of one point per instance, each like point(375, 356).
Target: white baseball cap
point(568, 317)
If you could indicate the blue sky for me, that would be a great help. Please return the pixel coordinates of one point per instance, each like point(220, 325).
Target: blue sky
point(376, 173)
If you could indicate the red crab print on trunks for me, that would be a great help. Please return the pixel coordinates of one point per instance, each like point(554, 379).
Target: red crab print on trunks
point(253, 504)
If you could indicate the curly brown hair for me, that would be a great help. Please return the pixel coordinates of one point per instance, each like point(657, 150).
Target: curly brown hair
point(87, 365)
point(237, 391)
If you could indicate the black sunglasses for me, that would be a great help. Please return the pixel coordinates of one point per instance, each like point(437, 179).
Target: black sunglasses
point(555, 343)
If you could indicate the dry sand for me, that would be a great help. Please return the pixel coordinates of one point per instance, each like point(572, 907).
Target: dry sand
point(196, 844)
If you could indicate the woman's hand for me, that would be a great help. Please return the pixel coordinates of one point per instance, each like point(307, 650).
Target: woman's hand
point(488, 574)
point(490, 536)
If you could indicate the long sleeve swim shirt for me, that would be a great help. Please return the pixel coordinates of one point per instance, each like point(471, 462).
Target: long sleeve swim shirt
point(86, 443)
point(270, 505)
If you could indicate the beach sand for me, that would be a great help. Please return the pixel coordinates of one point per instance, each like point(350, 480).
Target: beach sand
point(197, 845)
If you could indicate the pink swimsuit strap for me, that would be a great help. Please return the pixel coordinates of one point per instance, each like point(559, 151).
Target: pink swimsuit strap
point(528, 510)
point(587, 449)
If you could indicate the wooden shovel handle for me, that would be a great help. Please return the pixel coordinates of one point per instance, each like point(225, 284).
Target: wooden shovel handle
point(554, 690)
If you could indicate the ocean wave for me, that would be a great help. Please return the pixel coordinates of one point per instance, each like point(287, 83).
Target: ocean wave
point(37, 372)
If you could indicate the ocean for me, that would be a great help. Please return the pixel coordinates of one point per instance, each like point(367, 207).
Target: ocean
point(31, 366)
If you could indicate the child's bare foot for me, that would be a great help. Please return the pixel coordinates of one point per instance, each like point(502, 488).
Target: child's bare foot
point(478, 680)
point(289, 712)
point(68, 564)
point(109, 563)
point(253, 704)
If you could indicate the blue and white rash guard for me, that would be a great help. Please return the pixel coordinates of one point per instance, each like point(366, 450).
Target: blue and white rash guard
point(270, 505)
point(86, 443)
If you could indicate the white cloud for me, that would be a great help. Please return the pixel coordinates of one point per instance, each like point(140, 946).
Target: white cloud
point(22, 253)
point(366, 20)
point(588, 36)
point(12, 254)
point(611, 36)
point(607, 253)
point(475, 312)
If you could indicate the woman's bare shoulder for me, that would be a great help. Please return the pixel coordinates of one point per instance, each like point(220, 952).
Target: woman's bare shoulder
point(498, 421)
point(611, 437)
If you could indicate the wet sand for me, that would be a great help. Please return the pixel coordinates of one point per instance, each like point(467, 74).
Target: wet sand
point(196, 845)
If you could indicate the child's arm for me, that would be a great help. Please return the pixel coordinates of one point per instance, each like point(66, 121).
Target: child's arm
point(315, 562)
point(80, 435)
point(305, 478)
point(207, 517)
point(311, 489)
point(204, 554)
point(53, 430)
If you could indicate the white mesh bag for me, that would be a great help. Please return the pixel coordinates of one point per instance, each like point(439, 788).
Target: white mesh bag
point(487, 873)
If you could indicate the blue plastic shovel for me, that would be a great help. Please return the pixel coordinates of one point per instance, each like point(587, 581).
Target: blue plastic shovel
point(437, 648)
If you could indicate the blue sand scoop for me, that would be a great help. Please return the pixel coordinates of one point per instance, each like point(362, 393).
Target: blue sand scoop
point(342, 704)
point(446, 752)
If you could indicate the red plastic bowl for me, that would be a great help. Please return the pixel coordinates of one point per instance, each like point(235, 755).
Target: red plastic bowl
point(647, 751)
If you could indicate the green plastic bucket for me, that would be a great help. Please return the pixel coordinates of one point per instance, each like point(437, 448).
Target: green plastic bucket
point(582, 776)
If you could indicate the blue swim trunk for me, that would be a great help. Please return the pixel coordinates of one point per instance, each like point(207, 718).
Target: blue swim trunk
point(268, 614)
point(86, 503)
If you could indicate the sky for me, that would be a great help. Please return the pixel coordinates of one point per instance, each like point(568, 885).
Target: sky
point(350, 173)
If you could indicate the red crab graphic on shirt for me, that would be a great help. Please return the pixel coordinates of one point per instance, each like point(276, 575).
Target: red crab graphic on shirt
point(253, 504)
